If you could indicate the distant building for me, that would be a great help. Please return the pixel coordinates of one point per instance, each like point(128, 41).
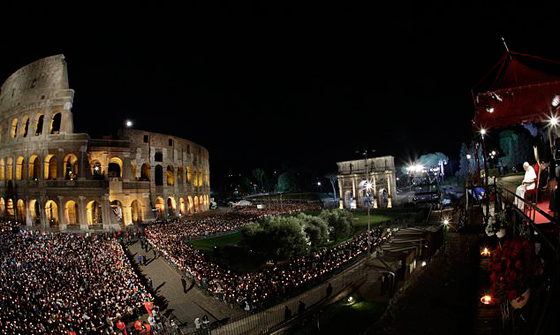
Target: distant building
point(372, 182)
point(53, 177)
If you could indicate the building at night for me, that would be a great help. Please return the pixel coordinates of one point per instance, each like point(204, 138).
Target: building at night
point(51, 177)
point(367, 182)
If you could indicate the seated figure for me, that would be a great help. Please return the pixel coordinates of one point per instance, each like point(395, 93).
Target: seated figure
point(528, 183)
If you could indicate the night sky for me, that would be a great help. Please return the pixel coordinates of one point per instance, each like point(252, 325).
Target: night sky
point(260, 84)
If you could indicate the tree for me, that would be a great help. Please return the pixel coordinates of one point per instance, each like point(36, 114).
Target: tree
point(276, 238)
point(464, 164)
point(316, 229)
point(432, 159)
point(333, 179)
point(340, 223)
point(259, 177)
point(287, 182)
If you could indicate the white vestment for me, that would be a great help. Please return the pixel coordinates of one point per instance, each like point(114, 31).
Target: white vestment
point(530, 177)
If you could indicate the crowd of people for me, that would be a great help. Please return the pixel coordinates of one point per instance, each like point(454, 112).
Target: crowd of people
point(66, 283)
point(54, 283)
point(252, 289)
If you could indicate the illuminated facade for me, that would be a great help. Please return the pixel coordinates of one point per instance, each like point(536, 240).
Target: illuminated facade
point(53, 177)
point(372, 182)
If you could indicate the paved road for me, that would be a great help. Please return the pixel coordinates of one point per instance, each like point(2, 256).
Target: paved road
point(184, 307)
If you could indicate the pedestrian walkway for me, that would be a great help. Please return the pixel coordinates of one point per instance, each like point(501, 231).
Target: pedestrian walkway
point(182, 305)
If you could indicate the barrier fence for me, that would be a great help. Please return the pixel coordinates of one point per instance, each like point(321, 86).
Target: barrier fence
point(265, 321)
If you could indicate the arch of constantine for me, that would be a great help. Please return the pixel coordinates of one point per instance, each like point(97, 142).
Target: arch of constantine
point(52, 177)
point(370, 182)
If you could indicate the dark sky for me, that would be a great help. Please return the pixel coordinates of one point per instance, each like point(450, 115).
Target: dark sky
point(259, 83)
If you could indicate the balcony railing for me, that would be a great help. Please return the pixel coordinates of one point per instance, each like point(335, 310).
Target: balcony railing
point(542, 314)
point(55, 183)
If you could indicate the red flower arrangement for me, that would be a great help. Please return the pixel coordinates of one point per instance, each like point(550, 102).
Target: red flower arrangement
point(511, 269)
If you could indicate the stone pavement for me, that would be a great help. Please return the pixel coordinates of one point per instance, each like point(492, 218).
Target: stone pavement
point(184, 307)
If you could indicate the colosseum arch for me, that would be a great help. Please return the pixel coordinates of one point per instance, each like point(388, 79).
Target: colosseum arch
point(180, 175)
point(94, 213)
point(2, 169)
point(159, 175)
point(34, 211)
point(171, 206)
point(20, 167)
point(160, 207)
point(136, 211)
point(51, 167)
point(71, 212)
point(13, 133)
point(55, 123)
point(24, 126)
point(38, 126)
point(189, 174)
point(145, 172)
point(182, 206)
point(114, 170)
point(20, 210)
point(190, 205)
point(96, 170)
point(10, 213)
point(117, 208)
point(10, 169)
point(170, 175)
point(70, 167)
point(133, 168)
point(34, 167)
point(196, 204)
point(2, 207)
point(51, 212)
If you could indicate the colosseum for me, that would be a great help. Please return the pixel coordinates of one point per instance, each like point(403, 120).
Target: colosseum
point(53, 178)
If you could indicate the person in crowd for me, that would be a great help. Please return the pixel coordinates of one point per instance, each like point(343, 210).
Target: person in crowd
point(54, 283)
point(287, 313)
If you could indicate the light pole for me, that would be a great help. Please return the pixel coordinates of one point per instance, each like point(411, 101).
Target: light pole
point(368, 187)
point(482, 133)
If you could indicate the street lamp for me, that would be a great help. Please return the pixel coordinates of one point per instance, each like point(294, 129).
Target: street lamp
point(368, 187)
point(482, 133)
point(128, 123)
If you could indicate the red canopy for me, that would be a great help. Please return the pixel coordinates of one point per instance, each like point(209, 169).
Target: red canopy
point(518, 89)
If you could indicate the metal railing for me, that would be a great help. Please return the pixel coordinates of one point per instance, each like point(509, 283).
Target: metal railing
point(272, 318)
point(542, 314)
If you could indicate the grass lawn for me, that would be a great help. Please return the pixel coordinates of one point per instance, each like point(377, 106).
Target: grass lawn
point(341, 318)
point(207, 244)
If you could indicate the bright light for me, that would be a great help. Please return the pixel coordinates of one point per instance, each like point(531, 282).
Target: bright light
point(482, 131)
point(350, 299)
point(128, 123)
point(415, 168)
point(555, 100)
point(490, 109)
point(446, 222)
point(485, 252)
point(368, 185)
point(493, 153)
point(553, 121)
point(469, 156)
point(318, 183)
point(423, 263)
point(486, 299)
